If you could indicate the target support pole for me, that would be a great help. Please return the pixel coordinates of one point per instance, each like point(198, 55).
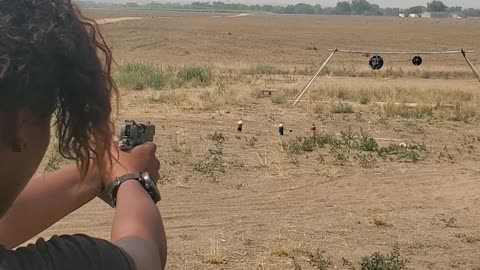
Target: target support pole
point(475, 71)
point(301, 93)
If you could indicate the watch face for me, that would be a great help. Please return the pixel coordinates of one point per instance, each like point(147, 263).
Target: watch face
point(151, 187)
point(146, 177)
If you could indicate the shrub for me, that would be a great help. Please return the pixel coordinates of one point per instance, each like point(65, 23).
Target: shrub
point(214, 161)
point(367, 143)
point(378, 261)
point(403, 152)
point(341, 108)
point(279, 99)
point(364, 98)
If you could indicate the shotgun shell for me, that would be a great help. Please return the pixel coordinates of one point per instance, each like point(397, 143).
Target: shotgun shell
point(280, 129)
point(240, 125)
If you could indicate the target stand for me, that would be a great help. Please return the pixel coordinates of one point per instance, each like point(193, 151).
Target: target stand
point(376, 62)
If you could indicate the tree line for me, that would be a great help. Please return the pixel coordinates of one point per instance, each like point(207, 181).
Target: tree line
point(353, 7)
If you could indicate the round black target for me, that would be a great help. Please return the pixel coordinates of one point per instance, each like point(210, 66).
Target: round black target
point(376, 62)
point(417, 60)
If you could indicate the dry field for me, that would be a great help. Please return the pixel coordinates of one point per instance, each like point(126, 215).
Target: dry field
point(394, 161)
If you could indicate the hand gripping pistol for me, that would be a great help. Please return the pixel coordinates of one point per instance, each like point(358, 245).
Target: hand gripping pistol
point(133, 134)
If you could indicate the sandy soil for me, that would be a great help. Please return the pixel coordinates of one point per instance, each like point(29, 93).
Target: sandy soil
point(114, 20)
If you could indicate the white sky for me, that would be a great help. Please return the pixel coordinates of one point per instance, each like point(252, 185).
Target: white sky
point(382, 3)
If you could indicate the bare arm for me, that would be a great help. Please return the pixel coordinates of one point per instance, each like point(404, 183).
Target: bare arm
point(55, 195)
point(138, 227)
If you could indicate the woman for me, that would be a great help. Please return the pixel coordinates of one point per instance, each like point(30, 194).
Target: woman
point(49, 68)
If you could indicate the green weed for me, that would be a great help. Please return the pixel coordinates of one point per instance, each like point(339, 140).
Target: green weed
point(54, 162)
point(403, 151)
point(378, 261)
point(138, 75)
point(361, 145)
point(196, 74)
point(214, 161)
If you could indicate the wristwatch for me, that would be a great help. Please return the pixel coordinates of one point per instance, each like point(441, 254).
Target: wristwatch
point(144, 179)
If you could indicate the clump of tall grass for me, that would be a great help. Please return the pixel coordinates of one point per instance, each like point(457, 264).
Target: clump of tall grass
point(196, 74)
point(140, 75)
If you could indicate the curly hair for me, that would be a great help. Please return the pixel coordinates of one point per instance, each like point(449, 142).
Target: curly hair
point(55, 60)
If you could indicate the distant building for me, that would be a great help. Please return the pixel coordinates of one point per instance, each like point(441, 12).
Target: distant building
point(428, 14)
point(413, 15)
point(401, 15)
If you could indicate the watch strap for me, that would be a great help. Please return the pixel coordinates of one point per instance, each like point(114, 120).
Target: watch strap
point(143, 178)
point(116, 185)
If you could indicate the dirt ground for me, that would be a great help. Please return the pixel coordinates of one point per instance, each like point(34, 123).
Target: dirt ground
point(267, 212)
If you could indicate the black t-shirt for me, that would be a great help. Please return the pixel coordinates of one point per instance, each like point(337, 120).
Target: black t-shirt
point(66, 252)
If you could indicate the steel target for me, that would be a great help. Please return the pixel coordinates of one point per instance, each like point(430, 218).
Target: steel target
point(417, 60)
point(376, 62)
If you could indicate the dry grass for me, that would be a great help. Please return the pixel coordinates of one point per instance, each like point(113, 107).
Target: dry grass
point(216, 254)
point(279, 249)
point(53, 160)
point(339, 70)
point(394, 94)
point(229, 88)
point(380, 222)
point(395, 73)
point(223, 87)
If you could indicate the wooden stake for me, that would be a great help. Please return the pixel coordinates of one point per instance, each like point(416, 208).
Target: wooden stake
point(471, 65)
